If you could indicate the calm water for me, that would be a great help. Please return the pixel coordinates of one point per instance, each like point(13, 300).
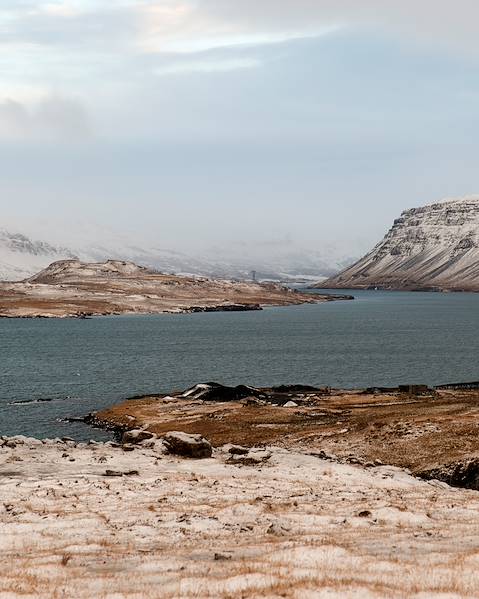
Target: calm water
point(381, 338)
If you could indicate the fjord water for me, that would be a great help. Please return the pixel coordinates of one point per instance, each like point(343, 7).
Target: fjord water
point(380, 338)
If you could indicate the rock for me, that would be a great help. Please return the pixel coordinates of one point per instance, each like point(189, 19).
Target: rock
point(290, 404)
point(252, 458)
point(277, 529)
point(464, 473)
point(238, 450)
point(136, 436)
point(217, 392)
point(186, 445)
point(148, 443)
point(222, 556)
point(119, 473)
point(322, 455)
point(364, 514)
point(252, 402)
point(113, 473)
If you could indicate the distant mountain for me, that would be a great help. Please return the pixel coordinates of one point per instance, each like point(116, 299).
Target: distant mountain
point(432, 247)
point(20, 258)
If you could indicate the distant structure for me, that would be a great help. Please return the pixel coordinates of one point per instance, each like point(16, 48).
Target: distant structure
point(253, 276)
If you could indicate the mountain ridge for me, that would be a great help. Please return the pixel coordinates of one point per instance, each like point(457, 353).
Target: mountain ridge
point(21, 258)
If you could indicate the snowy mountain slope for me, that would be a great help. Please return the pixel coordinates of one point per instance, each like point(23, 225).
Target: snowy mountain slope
point(435, 246)
point(20, 257)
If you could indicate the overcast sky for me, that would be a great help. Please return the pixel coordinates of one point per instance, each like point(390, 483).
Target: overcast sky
point(271, 124)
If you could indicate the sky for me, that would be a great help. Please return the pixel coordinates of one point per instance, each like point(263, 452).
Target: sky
point(231, 126)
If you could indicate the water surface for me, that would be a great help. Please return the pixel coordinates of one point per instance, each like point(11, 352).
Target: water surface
point(381, 338)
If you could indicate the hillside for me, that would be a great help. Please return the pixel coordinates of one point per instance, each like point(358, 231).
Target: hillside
point(432, 247)
point(71, 288)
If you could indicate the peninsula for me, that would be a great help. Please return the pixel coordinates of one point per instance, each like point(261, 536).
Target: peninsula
point(71, 288)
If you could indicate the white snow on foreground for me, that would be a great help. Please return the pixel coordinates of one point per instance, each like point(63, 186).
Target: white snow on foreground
point(295, 526)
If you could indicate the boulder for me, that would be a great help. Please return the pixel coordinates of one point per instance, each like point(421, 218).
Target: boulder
point(237, 450)
point(186, 445)
point(136, 436)
point(278, 529)
point(290, 404)
point(252, 458)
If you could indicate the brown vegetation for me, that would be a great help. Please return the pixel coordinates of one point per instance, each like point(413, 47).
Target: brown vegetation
point(72, 288)
point(398, 429)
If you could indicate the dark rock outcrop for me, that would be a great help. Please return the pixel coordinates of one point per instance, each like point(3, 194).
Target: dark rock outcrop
point(464, 474)
point(218, 392)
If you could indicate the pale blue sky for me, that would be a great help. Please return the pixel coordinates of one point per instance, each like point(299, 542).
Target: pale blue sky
point(232, 123)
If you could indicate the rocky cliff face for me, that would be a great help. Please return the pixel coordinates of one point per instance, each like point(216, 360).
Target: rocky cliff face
point(433, 247)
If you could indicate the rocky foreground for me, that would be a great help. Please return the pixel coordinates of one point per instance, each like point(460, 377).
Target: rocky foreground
point(70, 288)
point(135, 520)
point(431, 432)
point(434, 247)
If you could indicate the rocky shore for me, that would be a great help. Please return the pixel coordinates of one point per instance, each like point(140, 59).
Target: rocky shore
point(431, 432)
point(133, 520)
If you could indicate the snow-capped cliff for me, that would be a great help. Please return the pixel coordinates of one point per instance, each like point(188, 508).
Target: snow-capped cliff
point(435, 246)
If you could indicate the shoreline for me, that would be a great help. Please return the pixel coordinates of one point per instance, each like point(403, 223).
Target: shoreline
point(410, 289)
point(205, 309)
point(412, 426)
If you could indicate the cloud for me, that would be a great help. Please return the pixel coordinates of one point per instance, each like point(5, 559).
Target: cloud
point(199, 25)
point(188, 26)
point(53, 118)
point(207, 66)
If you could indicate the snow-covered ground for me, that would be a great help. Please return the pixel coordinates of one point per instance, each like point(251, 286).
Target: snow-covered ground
point(295, 526)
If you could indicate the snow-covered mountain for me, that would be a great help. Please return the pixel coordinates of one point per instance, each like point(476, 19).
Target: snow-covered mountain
point(435, 246)
point(20, 258)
